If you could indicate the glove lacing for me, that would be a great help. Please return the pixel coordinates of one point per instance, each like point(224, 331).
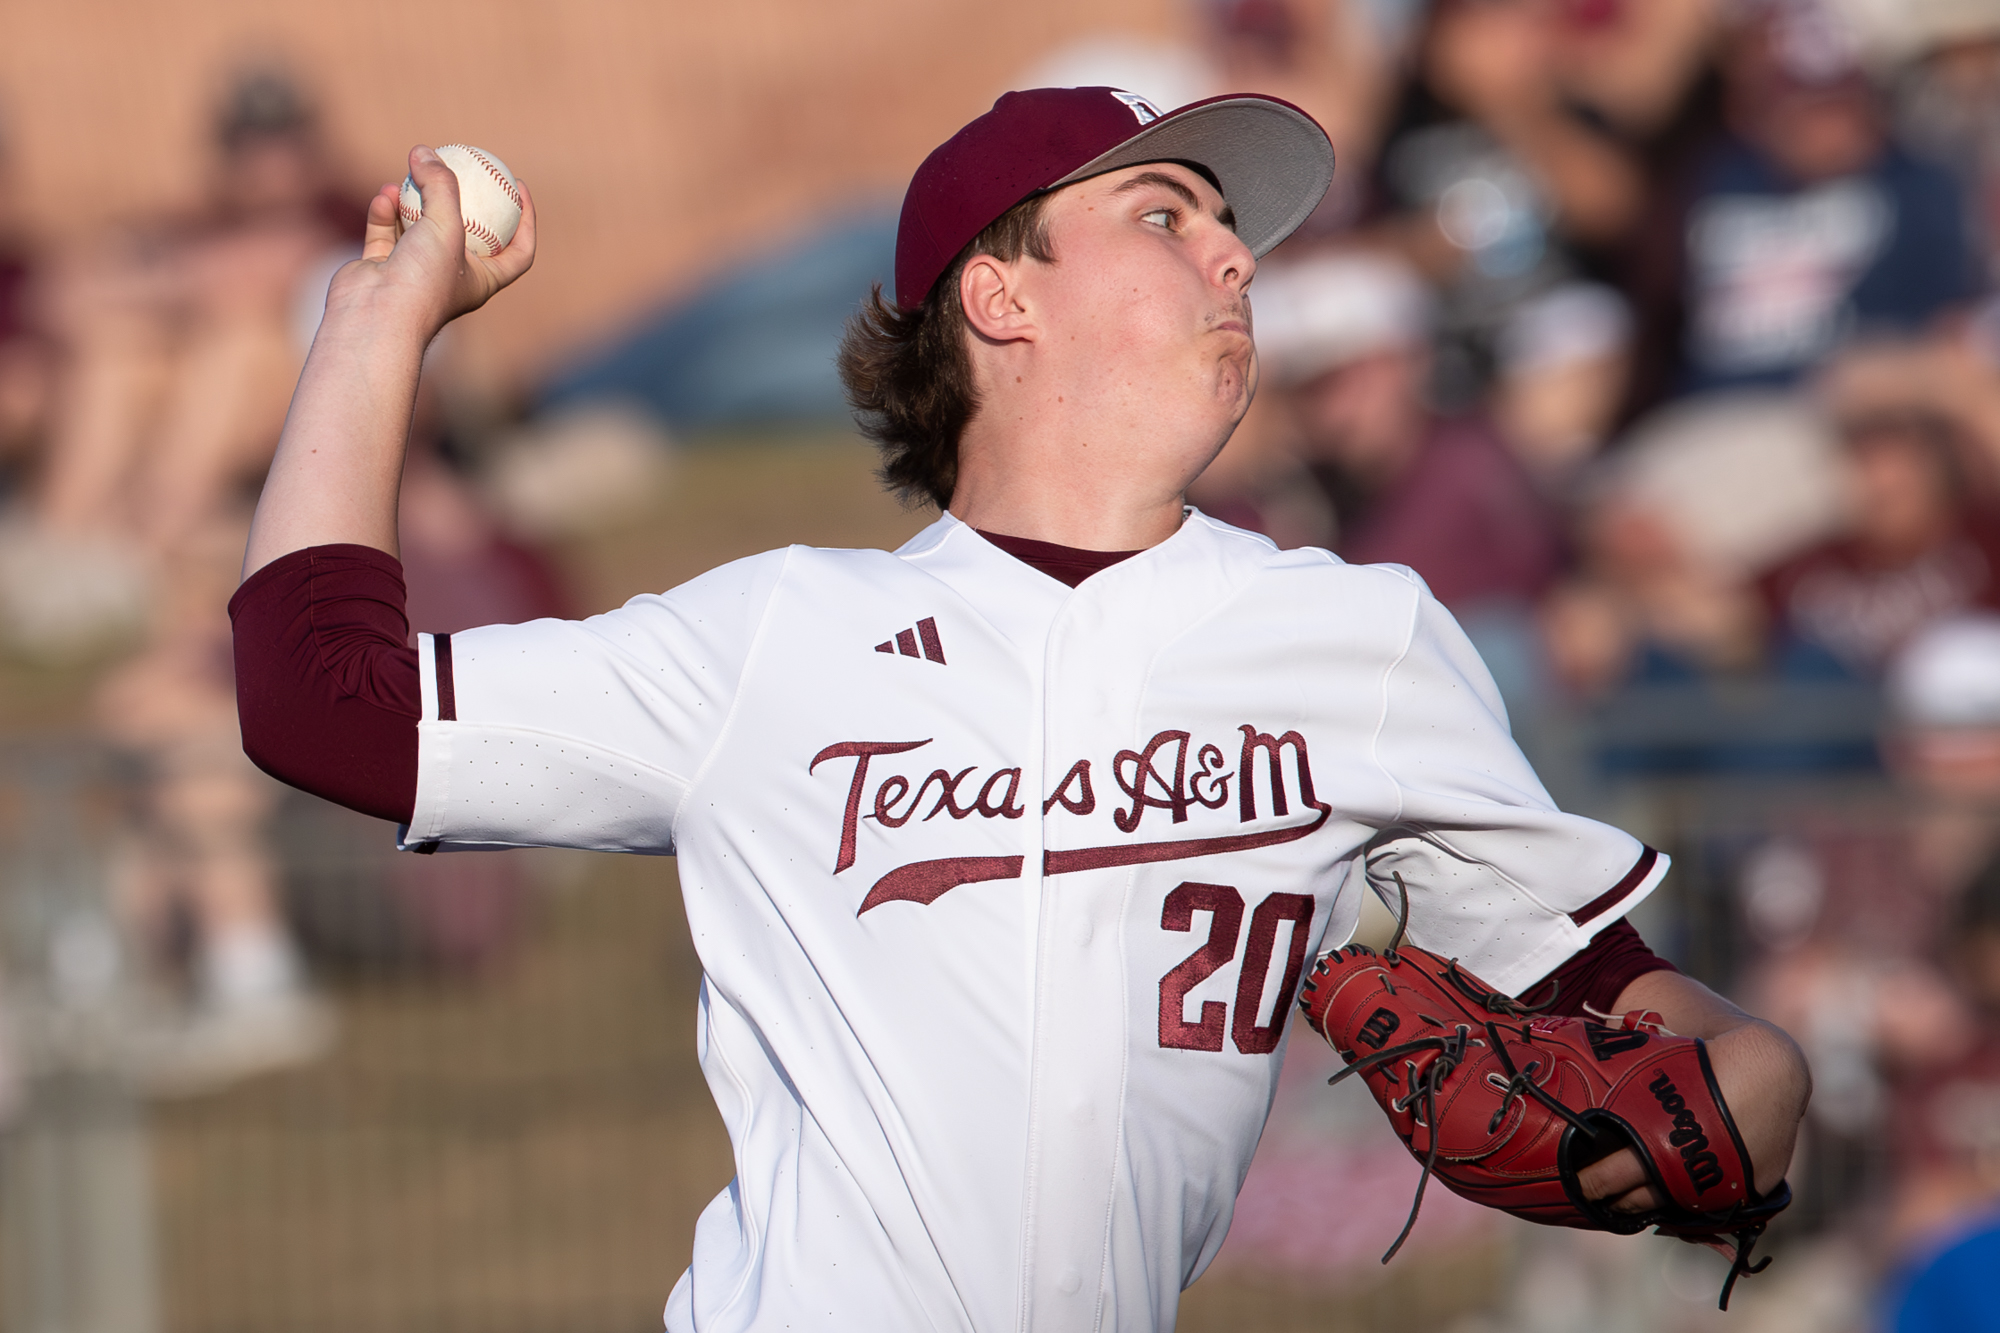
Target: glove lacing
point(1450, 1050)
point(1450, 1053)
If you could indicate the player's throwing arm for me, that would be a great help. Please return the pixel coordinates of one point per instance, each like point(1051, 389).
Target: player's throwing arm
point(339, 462)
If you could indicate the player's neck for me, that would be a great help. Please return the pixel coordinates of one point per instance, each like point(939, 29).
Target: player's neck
point(1097, 481)
point(1046, 504)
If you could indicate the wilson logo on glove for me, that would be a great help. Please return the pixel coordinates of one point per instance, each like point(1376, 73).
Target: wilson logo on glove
point(1704, 1167)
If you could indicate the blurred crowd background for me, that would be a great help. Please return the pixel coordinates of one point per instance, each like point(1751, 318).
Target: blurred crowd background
point(1662, 337)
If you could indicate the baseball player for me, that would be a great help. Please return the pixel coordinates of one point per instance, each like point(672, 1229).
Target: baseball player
point(1004, 852)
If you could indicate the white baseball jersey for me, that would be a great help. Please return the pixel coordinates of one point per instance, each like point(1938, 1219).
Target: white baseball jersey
point(1002, 890)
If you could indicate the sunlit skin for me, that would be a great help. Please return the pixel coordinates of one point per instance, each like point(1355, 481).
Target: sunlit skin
point(1110, 378)
point(339, 462)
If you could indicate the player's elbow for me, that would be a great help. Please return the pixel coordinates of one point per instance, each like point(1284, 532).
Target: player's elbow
point(345, 751)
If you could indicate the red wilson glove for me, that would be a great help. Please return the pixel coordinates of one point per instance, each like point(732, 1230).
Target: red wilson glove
point(1505, 1107)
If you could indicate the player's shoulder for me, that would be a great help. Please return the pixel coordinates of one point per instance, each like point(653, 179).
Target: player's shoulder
point(1306, 567)
point(749, 579)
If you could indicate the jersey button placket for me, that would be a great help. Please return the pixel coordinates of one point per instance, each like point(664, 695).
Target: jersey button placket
point(1080, 1050)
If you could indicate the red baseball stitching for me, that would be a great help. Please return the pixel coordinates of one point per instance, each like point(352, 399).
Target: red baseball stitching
point(500, 177)
point(480, 231)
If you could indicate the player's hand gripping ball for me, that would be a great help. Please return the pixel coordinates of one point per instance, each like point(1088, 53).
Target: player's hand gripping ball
point(1505, 1106)
point(488, 200)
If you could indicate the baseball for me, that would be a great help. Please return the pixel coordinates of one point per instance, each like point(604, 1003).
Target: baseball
point(488, 199)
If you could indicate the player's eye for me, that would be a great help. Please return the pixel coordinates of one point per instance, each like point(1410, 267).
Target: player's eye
point(1169, 218)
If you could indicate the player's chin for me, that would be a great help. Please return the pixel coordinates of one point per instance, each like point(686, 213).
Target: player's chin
point(1235, 383)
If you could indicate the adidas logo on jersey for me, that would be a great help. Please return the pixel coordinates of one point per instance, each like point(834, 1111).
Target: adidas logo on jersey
point(906, 641)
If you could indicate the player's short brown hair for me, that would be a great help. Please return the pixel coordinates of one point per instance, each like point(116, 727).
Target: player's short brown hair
point(908, 374)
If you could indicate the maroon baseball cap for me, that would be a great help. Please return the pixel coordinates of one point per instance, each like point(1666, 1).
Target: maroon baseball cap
point(1272, 161)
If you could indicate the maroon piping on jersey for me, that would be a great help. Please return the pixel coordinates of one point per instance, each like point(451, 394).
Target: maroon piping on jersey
point(1614, 895)
point(447, 684)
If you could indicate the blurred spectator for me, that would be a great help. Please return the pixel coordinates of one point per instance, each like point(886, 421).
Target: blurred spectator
point(1953, 372)
point(1645, 71)
point(1563, 363)
point(25, 357)
point(1949, 1106)
point(1869, 945)
point(1944, 743)
point(1636, 65)
point(1335, 60)
point(1948, 104)
point(1673, 527)
point(1346, 334)
point(1913, 550)
point(1944, 689)
point(196, 866)
point(179, 333)
point(1490, 180)
point(1809, 223)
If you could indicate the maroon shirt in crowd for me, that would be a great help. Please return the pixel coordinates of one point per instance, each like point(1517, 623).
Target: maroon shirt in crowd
point(1465, 516)
point(1845, 598)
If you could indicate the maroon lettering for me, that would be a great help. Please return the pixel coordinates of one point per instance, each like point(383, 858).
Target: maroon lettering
point(1145, 774)
point(1183, 849)
point(1246, 787)
point(1226, 908)
point(1009, 807)
point(1252, 1037)
point(927, 881)
point(1080, 859)
point(861, 752)
point(1157, 777)
point(1211, 773)
point(891, 791)
point(1079, 773)
point(947, 801)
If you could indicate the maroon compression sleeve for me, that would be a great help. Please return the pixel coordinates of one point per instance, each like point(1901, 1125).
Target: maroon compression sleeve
point(327, 686)
point(1599, 974)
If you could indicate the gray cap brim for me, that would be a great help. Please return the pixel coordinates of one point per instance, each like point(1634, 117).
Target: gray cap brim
point(1273, 161)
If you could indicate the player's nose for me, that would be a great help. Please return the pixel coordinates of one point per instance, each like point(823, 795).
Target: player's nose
point(1233, 265)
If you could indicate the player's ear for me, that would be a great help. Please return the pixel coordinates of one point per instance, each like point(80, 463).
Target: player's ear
point(989, 293)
